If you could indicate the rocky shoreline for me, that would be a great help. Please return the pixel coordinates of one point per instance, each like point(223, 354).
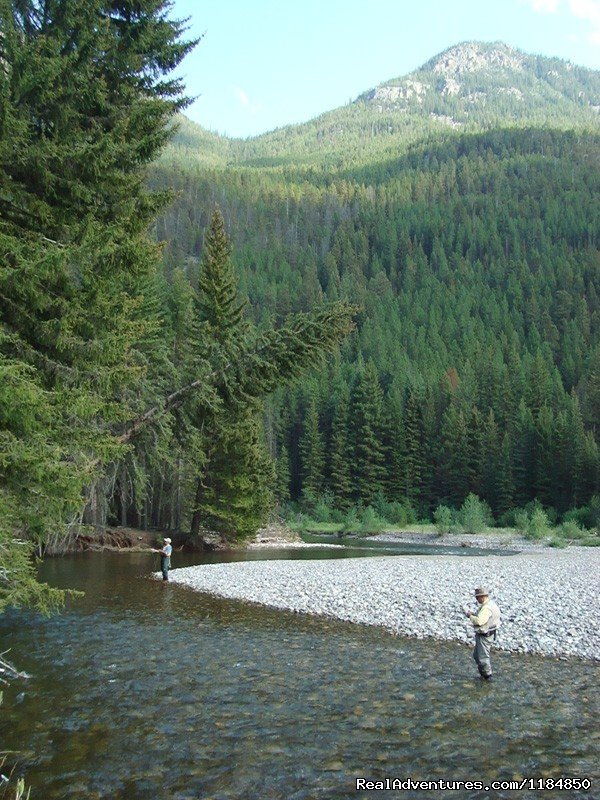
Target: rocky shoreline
point(549, 599)
point(485, 541)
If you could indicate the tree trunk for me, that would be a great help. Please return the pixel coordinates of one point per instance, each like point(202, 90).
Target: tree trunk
point(177, 525)
point(96, 506)
point(123, 498)
point(196, 516)
point(159, 503)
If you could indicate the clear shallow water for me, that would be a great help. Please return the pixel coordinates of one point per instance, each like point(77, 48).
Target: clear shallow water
point(141, 690)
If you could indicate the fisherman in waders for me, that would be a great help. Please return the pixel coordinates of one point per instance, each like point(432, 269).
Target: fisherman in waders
point(486, 622)
point(165, 558)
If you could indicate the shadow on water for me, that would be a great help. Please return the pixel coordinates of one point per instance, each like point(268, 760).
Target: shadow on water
point(145, 690)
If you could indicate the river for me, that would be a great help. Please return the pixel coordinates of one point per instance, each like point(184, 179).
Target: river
point(144, 690)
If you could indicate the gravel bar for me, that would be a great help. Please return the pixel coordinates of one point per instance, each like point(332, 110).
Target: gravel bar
point(549, 600)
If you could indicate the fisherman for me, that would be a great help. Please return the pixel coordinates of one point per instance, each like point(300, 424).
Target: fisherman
point(486, 622)
point(165, 557)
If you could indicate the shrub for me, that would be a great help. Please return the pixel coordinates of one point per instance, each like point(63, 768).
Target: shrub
point(337, 515)
point(351, 522)
point(586, 516)
point(371, 522)
point(323, 509)
point(301, 522)
point(444, 519)
point(381, 505)
point(411, 514)
point(557, 541)
point(593, 518)
point(521, 518)
point(591, 540)
point(475, 515)
point(570, 530)
point(577, 515)
point(537, 524)
point(507, 519)
point(397, 513)
point(551, 515)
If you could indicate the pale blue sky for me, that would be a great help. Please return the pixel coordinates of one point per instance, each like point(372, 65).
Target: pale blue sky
point(267, 63)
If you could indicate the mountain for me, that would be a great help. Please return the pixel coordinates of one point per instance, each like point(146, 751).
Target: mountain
point(459, 207)
point(490, 83)
point(469, 88)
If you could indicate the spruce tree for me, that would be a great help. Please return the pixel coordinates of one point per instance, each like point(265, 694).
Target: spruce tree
point(412, 453)
point(523, 452)
point(236, 489)
point(282, 475)
point(367, 421)
point(504, 486)
point(220, 306)
point(489, 458)
point(245, 365)
point(340, 452)
point(312, 453)
point(544, 456)
point(457, 455)
point(84, 102)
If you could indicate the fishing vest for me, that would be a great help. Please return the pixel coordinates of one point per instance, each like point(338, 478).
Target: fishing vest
point(494, 620)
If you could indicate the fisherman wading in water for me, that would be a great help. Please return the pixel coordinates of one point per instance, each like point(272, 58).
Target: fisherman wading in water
point(165, 558)
point(486, 622)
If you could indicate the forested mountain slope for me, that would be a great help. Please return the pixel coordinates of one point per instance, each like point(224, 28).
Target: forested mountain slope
point(470, 87)
point(460, 207)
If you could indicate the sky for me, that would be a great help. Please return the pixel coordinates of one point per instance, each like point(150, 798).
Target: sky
point(263, 64)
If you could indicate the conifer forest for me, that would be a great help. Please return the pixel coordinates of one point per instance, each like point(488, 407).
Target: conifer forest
point(395, 306)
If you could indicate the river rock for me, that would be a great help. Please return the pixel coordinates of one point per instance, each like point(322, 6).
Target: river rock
point(548, 599)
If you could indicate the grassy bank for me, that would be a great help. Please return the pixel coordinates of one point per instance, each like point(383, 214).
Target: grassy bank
point(533, 523)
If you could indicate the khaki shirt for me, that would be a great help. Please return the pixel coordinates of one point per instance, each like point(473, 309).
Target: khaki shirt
point(487, 617)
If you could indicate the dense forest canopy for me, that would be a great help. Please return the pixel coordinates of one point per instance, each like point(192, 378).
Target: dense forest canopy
point(113, 378)
point(158, 300)
point(468, 231)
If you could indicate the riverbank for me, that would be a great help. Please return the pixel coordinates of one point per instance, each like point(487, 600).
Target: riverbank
point(136, 540)
point(491, 540)
point(549, 599)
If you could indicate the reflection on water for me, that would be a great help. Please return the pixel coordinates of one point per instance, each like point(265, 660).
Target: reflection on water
point(145, 690)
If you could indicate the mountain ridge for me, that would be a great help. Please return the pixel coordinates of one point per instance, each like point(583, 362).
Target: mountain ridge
point(471, 87)
point(464, 222)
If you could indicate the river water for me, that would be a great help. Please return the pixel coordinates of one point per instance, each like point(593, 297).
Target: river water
point(145, 690)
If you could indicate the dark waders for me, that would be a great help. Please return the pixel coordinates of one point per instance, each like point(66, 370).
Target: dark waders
point(165, 566)
point(481, 653)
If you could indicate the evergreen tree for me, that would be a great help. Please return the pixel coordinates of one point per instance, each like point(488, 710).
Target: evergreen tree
point(84, 103)
point(490, 461)
point(220, 306)
point(282, 475)
point(245, 366)
point(504, 486)
point(394, 448)
point(543, 464)
point(457, 455)
point(412, 453)
point(312, 453)
point(367, 421)
point(340, 453)
point(524, 458)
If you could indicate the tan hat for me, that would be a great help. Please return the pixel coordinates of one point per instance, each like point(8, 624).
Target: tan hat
point(167, 540)
point(481, 592)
